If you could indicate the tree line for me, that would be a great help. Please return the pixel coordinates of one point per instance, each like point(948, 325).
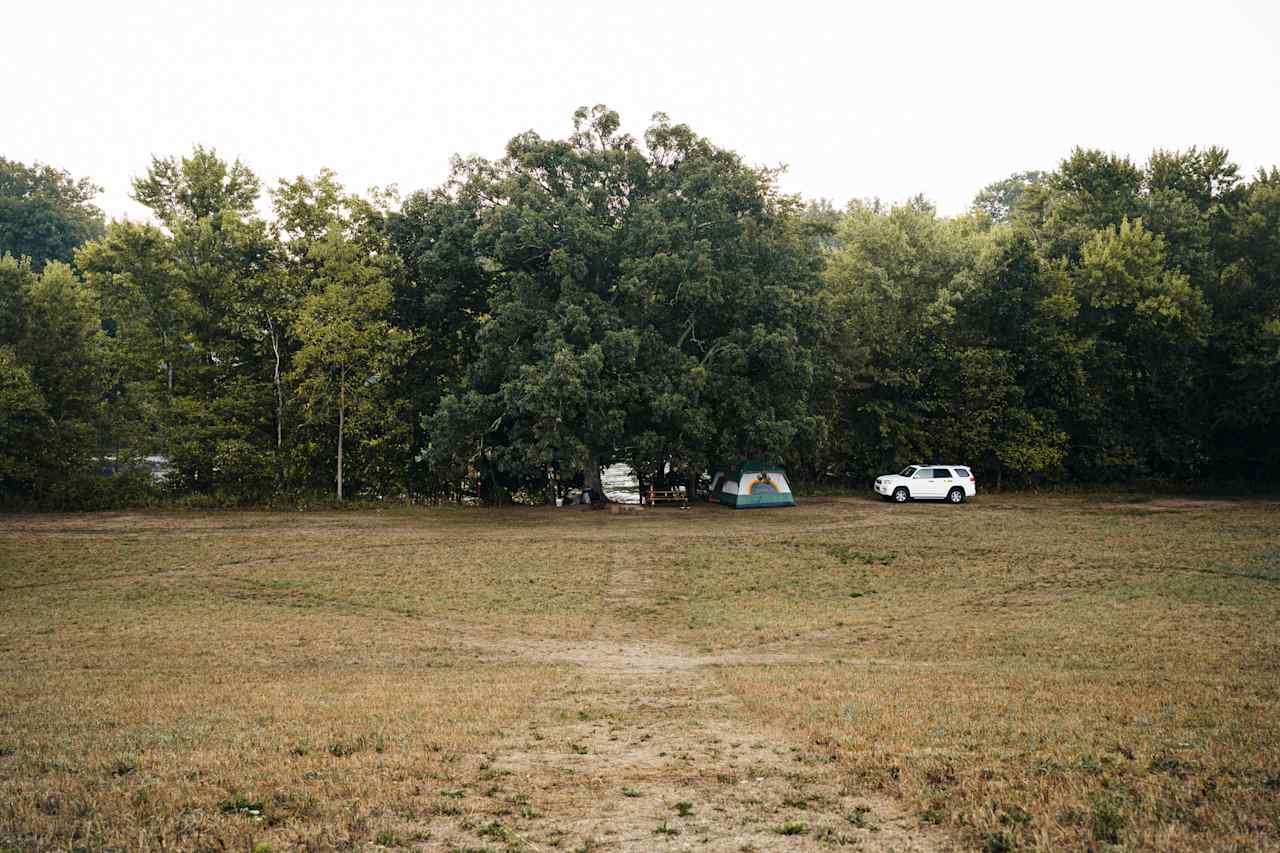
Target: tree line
point(653, 301)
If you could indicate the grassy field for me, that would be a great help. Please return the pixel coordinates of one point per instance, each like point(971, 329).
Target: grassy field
point(1088, 672)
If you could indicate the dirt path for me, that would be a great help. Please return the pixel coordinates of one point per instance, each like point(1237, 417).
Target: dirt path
point(642, 750)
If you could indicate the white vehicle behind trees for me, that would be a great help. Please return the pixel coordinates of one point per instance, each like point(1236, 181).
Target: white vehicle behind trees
point(951, 483)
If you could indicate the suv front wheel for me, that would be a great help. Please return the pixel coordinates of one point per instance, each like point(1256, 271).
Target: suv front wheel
point(901, 495)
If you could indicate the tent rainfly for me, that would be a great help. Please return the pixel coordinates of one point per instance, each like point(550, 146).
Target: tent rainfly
point(752, 483)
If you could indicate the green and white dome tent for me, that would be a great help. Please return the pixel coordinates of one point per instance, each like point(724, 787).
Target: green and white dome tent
point(752, 483)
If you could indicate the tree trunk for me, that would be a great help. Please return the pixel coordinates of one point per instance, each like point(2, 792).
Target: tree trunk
point(275, 348)
point(691, 489)
point(168, 361)
point(342, 422)
point(591, 478)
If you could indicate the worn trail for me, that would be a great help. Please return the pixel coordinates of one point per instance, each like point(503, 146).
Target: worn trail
point(642, 749)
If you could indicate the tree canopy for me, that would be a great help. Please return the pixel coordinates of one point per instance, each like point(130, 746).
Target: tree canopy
point(650, 300)
point(45, 214)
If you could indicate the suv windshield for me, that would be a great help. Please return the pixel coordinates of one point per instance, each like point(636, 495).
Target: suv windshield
point(908, 471)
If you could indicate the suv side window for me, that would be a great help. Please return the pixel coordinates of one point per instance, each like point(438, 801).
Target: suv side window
point(923, 473)
point(942, 473)
point(964, 472)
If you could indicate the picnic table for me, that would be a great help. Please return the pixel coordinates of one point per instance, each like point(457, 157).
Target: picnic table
point(674, 496)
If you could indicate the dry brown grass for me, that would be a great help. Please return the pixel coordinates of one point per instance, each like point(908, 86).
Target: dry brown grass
point(1017, 672)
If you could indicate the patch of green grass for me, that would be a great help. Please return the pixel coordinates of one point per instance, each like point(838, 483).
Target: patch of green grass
point(1106, 820)
point(665, 828)
point(495, 831)
point(858, 817)
point(847, 556)
point(241, 804)
point(791, 827)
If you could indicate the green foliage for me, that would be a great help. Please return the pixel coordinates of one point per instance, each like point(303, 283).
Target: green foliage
point(22, 425)
point(53, 380)
point(999, 199)
point(45, 214)
point(651, 303)
point(347, 349)
point(654, 301)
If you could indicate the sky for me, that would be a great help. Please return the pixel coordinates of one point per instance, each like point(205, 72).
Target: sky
point(857, 100)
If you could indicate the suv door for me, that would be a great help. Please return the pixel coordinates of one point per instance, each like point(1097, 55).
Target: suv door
point(945, 478)
point(924, 484)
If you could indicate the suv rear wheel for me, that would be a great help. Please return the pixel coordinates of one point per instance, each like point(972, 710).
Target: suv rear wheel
point(901, 495)
point(956, 495)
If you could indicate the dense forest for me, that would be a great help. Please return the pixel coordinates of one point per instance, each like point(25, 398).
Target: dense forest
point(605, 299)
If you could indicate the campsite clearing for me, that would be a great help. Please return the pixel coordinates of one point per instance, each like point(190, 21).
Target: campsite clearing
point(1017, 672)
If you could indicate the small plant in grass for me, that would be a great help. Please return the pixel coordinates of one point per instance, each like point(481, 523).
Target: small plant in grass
point(240, 804)
point(1106, 821)
point(684, 808)
point(835, 838)
point(630, 792)
point(579, 748)
point(666, 829)
point(387, 838)
point(341, 749)
point(494, 830)
point(858, 817)
point(795, 802)
point(935, 813)
point(1170, 764)
point(791, 827)
point(998, 842)
point(443, 810)
point(1014, 815)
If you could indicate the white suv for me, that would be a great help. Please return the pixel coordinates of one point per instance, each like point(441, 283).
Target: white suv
point(952, 483)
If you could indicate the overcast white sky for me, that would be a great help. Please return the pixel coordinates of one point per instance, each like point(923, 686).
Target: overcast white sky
point(858, 100)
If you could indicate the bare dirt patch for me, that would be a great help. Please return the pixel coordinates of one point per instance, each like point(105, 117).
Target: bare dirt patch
point(647, 754)
point(642, 751)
